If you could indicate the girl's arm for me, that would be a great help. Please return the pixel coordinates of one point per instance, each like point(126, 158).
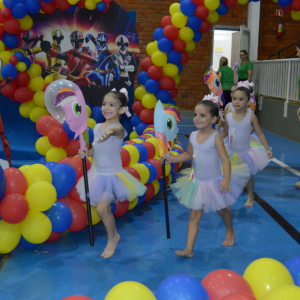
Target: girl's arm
point(225, 183)
point(250, 72)
point(261, 135)
point(224, 133)
point(117, 130)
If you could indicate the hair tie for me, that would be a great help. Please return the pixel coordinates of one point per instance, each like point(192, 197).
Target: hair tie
point(216, 101)
point(246, 84)
point(125, 92)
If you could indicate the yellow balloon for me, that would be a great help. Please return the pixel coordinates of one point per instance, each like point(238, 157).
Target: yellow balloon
point(13, 51)
point(186, 34)
point(38, 112)
point(55, 154)
point(95, 217)
point(134, 153)
point(36, 228)
point(153, 141)
point(26, 22)
point(174, 153)
point(295, 15)
point(289, 292)
point(142, 170)
point(156, 186)
point(149, 101)
point(38, 172)
point(48, 79)
point(2, 47)
point(5, 55)
point(140, 92)
point(159, 58)
point(42, 145)
point(170, 179)
point(36, 84)
point(133, 135)
point(91, 123)
point(266, 274)
point(179, 20)
point(73, 2)
point(98, 1)
point(170, 70)
point(168, 169)
point(26, 108)
point(151, 48)
point(174, 8)
point(10, 236)
point(241, 2)
point(1, 4)
point(211, 4)
point(138, 141)
point(190, 46)
point(132, 204)
point(35, 70)
point(177, 79)
point(88, 110)
point(24, 168)
point(38, 99)
point(213, 16)
point(21, 67)
point(275, 1)
point(130, 290)
point(90, 4)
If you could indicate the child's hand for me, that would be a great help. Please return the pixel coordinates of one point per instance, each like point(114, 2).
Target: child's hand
point(270, 154)
point(167, 160)
point(225, 185)
point(105, 135)
point(82, 154)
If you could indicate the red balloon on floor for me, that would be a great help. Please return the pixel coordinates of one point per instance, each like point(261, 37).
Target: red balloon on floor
point(133, 172)
point(77, 297)
point(149, 192)
point(158, 166)
point(121, 208)
point(72, 147)
point(73, 194)
point(125, 157)
point(46, 123)
point(147, 115)
point(58, 138)
point(15, 182)
point(151, 149)
point(54, 236)
point(66, 160)
point(77, 164)
point(238, 296)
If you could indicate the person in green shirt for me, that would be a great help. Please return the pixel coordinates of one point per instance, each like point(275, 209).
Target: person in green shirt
point(225, 75)
point(246, 68)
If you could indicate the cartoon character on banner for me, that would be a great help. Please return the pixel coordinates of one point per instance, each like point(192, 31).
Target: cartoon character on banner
point(249, 85)
point(29, 42)
point(5, 143)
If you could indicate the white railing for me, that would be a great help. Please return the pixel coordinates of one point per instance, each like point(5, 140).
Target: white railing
point(277, 78)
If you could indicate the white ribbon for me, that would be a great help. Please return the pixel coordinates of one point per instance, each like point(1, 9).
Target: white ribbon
point(125, 92)
point(246, 84)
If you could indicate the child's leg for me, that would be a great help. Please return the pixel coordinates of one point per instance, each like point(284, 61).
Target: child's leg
point(104, 211)
point(250, 188)
point(193, 227)
point(227, 219)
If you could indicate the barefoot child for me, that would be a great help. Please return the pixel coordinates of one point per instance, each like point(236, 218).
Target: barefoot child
point(207, 187)
point(108, 181)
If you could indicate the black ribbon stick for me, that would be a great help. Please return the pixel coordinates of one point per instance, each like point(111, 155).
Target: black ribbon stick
point(166, 200)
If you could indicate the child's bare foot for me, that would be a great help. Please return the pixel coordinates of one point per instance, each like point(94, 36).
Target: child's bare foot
point(229, 240)
point(184, 253)
point(249, 202)
point(111, 247)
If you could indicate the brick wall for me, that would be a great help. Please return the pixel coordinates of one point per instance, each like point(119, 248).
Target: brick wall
point(149, 15)
point(268, 42)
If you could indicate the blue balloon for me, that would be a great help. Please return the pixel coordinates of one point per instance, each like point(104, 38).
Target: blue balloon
point(63, 178)
point(181, 287)
point(42, 160)
point(46, 1)
point(165, 45)
point(19, 55)
point(197, 36)
point(135, 120)
point(97, 114)
point(33, 6)
point(284, 3)
point(293, 265)
point(9, 70)
point(60, 216)
point(152, 170)
point(101, 6)
point(19, 11)
point(176, 150)
point(142, 77)
point(188, 8)
point(91, 135)
point(222, 9)
point(172, 167)
point(113, 204)
point(158, 34)
point(8, 3)
point(19, 1)
point(151, 133)
point(67, 129)
point(140, 128)
point(71, 9)
point(194, 23)
point(142, 151)
point(27, 62)
point(152, 86)
point(141, 138)
point(89, 104)
point(50, 165)
point(10, 40)
point(161, 185)
point(27, 245)
point(174, 57)
point(2, 183)
point(172, 101)
point(180, 68)
point(141, 199)
point(163, 95)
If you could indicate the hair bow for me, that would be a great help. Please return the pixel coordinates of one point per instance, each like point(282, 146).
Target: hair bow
point(246, 84)
point(125, 92)
point(211, 98)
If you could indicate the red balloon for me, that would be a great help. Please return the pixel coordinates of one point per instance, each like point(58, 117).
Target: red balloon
point(202, 12)
point(220, 283)
point(24, 94)
point(107, 8)
point(48, 8)
point(45, 87)
point(150, 191)
point(133, 172)
point(22, 79)
point(155, 72)
point(166, 20)
point(145, 136)
point(13, 60)
point(137, 107)
point(151, 149)
point(77, 297)
point(185, 57)
point(46, 123)
point(9, 90)
point(6, 13)
point(54, 236)
point(11, 26)
point(167, 83)
point(1, 31)
point(77, 164)
point(147, 115)
point(125, 157)
point(121, 208)
point(62, 4)
point(107, 1)
point(287, 8)
point(238, 296)
point(73, 194)
point(231, 3)
point(81, 4)
point(79, 214)
point(179, 45)
point(158, 167)
point(198, 2)
point(146, 63)
point(72, 147)
point(58, 137)
point(14, 208)
point(205, 27)
point(174, 92)
point(130, 142)
point(65, 160)
point(171, 32)
point(15, 182)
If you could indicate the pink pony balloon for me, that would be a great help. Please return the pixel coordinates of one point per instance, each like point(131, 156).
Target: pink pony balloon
point(214, 84)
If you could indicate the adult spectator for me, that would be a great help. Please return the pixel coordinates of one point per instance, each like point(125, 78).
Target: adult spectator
point(225, 75)
point(246, 68)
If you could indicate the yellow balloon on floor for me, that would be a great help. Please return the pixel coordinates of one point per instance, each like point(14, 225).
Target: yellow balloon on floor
point(168, 169)
point(26, 108)
point(55, 154)
point(142, 170)
point(130, 290)
point(132, 204)
point(43, 145)
point(288, 292)
point(5, 55)
point(190, 46)
point(174, 8)
point(213, 16)
point(266, 274)
point(10, 236)
point(38, 112)
point(36, 84)
point(140, 92)
point(90, 4)
point(24, 168)
point(159, 58)
point(21, 67)
point(133, 135)
point(133, 152)
point(211, 4)
point(149, 101)
point(151, 48)
point(179, 20)
point(156, 186)
point(91, 123)
point(170, 70)
point(38, 99)
point(36, 228)
point(35, 70)
point(95, 217)
point(186, 34)
point(48, 79)
point(295, 15)
point(26, 22)
point(170, 179)
point(138, 141)
point(38, 172)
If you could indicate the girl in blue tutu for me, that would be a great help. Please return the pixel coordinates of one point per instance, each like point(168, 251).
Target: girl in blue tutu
point(209, 185)
point(108, 181)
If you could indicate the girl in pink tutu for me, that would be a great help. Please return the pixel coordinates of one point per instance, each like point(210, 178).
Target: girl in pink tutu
point(207, 187)
point(108, 181)
point(240, 123)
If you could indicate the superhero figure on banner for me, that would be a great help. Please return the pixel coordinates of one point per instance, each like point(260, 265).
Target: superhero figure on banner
point(75, 63)
point(29, 43)
point(105, 65)
point(124, 60)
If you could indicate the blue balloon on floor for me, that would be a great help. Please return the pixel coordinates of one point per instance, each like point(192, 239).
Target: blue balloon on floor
point(293, 265)
point(27, 245)
point(140, 128)
point(142, 151)
point(2, 184)
point(91, 135)
point(135, 120)
point(42, 160)
point(50, 165)
point(181, 287)
point(97, 114)
point(161, 185)
point(113, 207)
point(141, 199)
point(152, 170)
